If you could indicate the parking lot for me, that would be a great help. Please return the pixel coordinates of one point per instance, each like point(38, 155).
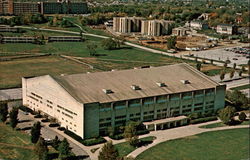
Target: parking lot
point(236, 55)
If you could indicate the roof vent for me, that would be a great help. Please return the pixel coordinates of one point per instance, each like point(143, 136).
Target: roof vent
point(107, 91)
point(160, 84)
point(135, 87)
point(185, 81)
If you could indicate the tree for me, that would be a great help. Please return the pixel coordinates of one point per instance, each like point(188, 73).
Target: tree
point(92, 49)
point(226, 115)
point(240, 73)
point(232, 74)
point(198, 66)
point(242, 116)
point(13, 117)
point(108, 152)
point(109, 44)
point(3, 111)
point(41, 148)
point(35, 132)
point(238, 99)
point(222, 75)
point(225, 64)
point(64, 149)
point(234, 66)
point(130, 134)
point(56, 142)
point(171, 42)
point(211, 61)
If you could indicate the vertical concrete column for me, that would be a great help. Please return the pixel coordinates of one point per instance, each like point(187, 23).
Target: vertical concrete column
point(112, 115)
point(155, 110)
point(204, 101)
point(181, 103)
point(141, 108)
point(155, 127)
point(127, 111)
point(193, 101)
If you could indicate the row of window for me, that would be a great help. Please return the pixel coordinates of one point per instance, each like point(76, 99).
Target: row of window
point(65, 109)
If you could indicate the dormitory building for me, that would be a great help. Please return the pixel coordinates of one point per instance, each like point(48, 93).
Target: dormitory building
point(88, 104)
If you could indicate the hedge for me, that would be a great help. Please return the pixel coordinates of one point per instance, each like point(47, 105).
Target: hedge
point(45, 120)
point(54, 125)
point(61, 128)
point(201, 120)
point(38, 116)
point(86, 142)
point(25, 109)
point(141, 132)
point(117, 136)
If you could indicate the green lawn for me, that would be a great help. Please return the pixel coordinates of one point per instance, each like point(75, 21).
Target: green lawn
point(12, 71)
point(247, 86)
point(220, 124)
point(125, 148)
point(218, 145)
point(15, 145)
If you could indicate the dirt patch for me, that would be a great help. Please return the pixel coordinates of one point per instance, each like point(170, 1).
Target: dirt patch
point(210, 67)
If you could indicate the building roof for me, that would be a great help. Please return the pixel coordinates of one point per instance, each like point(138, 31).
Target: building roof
point(90, 87)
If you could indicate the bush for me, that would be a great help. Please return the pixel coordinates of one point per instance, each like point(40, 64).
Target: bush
point(201, 120)
point(61, 128)
point(117, 136)
point(86, 142)
point(94, 141)
point(141, 132)
point(45, 120)
point(25, 109)
point(38, 116)
point(53, 125)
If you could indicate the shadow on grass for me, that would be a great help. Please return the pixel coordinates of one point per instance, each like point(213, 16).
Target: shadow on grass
point(52, 156)
point(81, 157)
point(25, 128)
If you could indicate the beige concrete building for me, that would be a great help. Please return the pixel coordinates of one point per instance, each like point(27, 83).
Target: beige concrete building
point(197, 25)
point(88, 104)
point(127, 24)
point(156, 27)
point(180, 31)
point(226, 29)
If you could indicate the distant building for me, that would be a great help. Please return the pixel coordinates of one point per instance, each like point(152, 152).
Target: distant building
point(89, 104)
point(61, 7)
point(127, 24)
point(65, 39)
point(18, 40)
point(180, 31)
point(4, 28)
point(156, 27)
point(197, 25)
point(226, 29)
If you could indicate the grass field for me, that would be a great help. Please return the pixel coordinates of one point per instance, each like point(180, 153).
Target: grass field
point(125, 148)
point(220, 124)
point(247, 86)
point(12, 71)
point(15, 145)
point(218, 145)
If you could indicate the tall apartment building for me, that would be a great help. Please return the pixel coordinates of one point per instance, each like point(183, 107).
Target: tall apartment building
point(88, 104)
point(6, 7)
point(127, 24)
point(156, 27)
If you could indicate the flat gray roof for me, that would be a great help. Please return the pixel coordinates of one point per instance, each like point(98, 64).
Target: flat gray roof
point(88, 87)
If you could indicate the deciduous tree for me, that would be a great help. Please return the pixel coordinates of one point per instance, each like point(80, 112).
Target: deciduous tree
point(64, 149)
point(41, 148)
point(227, 114)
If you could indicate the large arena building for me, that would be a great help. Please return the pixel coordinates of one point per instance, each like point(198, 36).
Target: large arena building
point(88, 104)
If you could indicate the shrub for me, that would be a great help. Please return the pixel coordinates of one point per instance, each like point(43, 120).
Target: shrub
point(45, 120)
point(38, 116)
point(201, 120)
point(141, 132)
point(117, 136)
point(61, 128)
point(26, 109)
point(53, 125)
point(94, 141)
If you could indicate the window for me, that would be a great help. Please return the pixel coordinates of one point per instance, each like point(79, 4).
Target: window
point(134, 102)
point(161, 99)
point(149, 100)
point(105, 107)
